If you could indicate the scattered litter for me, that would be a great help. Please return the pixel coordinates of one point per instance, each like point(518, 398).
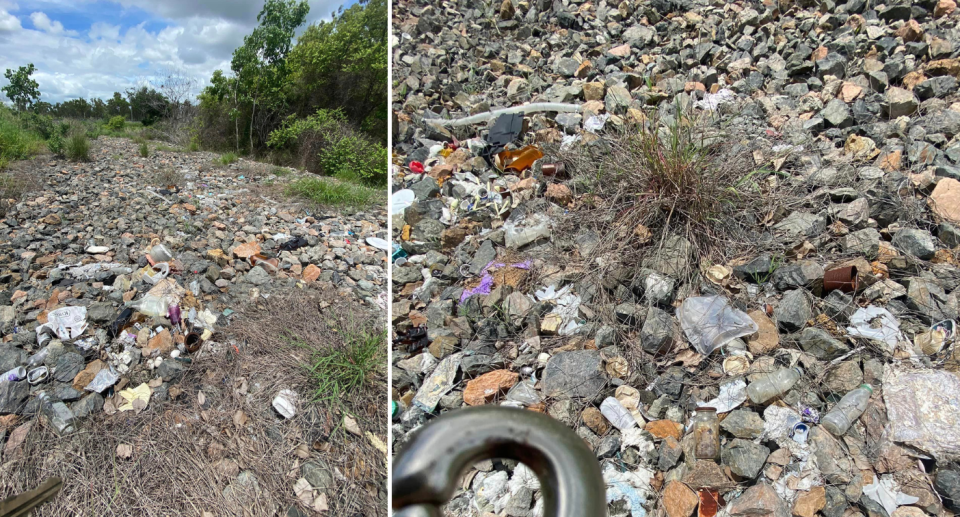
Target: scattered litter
point(887, 494)
point(712, 101)
point(619, 416)
point(136, 399)
point(286, 403)
point(875, 323)
point(105, 378)
point(65, 322)
point(710, 322)
point(595, 123)
point(732, 395)
point(922, 410)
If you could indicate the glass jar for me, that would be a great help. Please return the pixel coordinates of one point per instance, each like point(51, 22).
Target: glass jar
point(706, 434)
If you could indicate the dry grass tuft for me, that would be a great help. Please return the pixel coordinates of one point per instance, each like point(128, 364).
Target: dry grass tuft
point(186, 455)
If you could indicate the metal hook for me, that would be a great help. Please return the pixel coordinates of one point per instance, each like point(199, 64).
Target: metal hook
point(428, 467)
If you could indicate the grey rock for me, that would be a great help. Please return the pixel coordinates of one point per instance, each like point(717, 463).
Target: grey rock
point(257, 276)
point(13, 395)
point(101, 313)
point(68, 366)
point(948, 485)
point(318, 474)
point(864, 242)
point(838, 114)
point(170, 370)
point(853, 213)
point(839, 306)
point(574, 374)
point(406, 275)
point(88, 405)
point(8, 318)
point(659, 329)
point(658, 289)
point(757, 270)
point(744, 457)
point(845, 377)
point(928, 299)
point(949, 234)
point(836, 503)
point(804, 273)
point(802, 223)
point(743, 424)
point(794, 310)
point(936, 87)
point(900, 102)
point(833, 462)
point(672, 259)
point(11, 357)
point(918, 243)
point(821, 344)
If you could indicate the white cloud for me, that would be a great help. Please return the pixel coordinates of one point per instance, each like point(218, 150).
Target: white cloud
point(199, 37)
point(42, 22)
point(8, 22)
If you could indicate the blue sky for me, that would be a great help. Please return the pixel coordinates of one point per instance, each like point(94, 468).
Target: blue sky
point(91, 48)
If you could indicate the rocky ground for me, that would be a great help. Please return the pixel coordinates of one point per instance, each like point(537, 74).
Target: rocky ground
point(84, 242)
point(530, 297)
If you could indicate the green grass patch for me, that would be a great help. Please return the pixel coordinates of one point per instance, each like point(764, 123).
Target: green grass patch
point(227, 159)
point(144, 150)
point(325, 191)
point(343, 371)
point(167, 149)
point(16, 143)
point(78, 148)
point(280, 172)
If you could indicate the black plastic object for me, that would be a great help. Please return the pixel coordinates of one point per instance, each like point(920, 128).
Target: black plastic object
point(293, 244)
point(505, 130)
point(427, 469)
point(413, 339)
point(121, 320)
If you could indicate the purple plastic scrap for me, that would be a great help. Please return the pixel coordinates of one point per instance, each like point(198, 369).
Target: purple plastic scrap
point(486, 281)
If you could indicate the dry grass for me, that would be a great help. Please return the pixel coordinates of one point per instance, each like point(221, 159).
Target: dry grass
point(185, 454)
point(13, 185)
point(167, 175)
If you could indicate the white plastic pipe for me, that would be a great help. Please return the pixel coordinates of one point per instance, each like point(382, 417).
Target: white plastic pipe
point(528, 108)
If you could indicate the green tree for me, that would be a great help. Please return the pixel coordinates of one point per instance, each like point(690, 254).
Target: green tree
point(343, 63)
point(260, 65)
point(117, 105)
point(22, 90)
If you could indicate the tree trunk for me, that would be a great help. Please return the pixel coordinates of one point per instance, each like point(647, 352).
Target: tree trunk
point(253, 111)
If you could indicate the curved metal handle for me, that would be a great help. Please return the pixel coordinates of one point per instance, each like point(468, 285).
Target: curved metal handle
point(428, 467)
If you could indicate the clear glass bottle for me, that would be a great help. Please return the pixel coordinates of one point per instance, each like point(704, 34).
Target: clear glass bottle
point(773, 385)
point(706, 433)
point(847, 411)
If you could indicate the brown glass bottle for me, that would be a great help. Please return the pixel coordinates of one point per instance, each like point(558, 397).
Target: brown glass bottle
point(706, 434)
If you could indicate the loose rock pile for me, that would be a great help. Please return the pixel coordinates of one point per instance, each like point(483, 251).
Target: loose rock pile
point(91, 239)
point(851, 106)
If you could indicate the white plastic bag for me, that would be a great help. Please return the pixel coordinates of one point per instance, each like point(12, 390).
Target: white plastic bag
point(710, 322)
point(66, 322)
point(887, 332)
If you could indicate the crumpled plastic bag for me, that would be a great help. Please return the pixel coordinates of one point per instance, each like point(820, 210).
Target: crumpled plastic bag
point(712, 101)
point(65, 322)
point(923, 412)
point(732, 394)
point(710, 322)
point(887, 493)
point(567, 306)
point(889, 327)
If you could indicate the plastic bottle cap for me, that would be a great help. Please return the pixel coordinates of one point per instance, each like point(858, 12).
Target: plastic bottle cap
point(867, 386)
